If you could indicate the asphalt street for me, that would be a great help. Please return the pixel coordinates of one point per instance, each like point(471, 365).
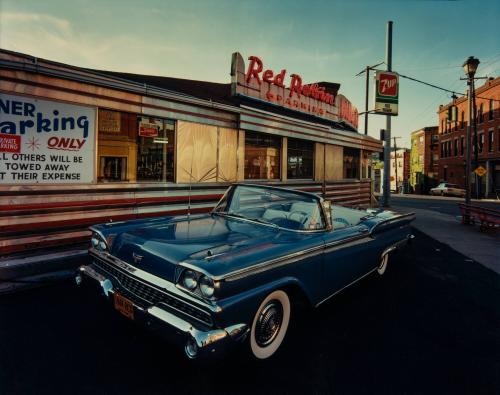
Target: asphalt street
point(440, 204)
point(430, 325)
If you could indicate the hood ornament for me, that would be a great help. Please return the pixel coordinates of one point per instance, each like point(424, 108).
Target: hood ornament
point(136, 257)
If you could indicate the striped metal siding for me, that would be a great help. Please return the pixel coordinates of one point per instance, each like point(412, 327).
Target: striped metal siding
point(46, 217)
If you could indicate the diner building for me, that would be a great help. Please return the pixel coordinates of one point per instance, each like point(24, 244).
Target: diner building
point(80, 146)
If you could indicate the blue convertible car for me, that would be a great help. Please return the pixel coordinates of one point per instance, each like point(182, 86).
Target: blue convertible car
point(236, 274)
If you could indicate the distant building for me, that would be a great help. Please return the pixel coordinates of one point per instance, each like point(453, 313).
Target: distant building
point(452, 144)
point(400, 168)
point(424, 159)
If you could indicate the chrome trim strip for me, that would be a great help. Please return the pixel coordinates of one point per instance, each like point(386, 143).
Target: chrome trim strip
point(163, 285)
point(290, 258)
point(270, 225)
point(273, 264)
point(392, 219)
point(348, 285)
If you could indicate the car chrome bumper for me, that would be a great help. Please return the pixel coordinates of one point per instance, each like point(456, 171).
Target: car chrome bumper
point(197, 341)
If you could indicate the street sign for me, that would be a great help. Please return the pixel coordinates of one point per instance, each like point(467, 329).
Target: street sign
point(386, 93)
point(480, 171)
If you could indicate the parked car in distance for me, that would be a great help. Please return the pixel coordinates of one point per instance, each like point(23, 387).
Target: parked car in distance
point(235, 275)
point(447, 189)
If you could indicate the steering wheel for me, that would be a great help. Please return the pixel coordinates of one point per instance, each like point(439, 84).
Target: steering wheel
point(342, 221)
point(301, 213)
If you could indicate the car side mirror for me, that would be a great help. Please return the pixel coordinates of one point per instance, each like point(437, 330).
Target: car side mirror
point(327, 209)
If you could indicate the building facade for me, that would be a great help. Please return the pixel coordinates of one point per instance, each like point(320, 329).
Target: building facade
point(452, 135)
point(80, 147)
point(400, 168)
point(424, 159)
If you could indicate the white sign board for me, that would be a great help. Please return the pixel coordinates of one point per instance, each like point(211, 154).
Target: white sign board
point(45, 142)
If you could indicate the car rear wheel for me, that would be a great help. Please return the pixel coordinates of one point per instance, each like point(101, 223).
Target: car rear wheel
point(382, 267)
point(270, 324)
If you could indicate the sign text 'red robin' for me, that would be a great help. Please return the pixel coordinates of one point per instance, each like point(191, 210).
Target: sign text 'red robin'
point(288, 90)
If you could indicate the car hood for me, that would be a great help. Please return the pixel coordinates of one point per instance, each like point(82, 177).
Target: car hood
point(159, 246)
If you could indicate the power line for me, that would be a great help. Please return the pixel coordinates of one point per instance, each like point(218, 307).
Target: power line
point(443, 89)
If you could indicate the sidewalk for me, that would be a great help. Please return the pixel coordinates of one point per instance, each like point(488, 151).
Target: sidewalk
point(481, 247)
point(437, 197)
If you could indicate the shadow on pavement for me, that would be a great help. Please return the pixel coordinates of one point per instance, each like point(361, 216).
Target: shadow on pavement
point(431, 324)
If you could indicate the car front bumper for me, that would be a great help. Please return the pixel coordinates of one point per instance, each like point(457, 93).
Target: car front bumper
point(198, 341)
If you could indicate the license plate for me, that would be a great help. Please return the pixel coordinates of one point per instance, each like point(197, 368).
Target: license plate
point(124, 306)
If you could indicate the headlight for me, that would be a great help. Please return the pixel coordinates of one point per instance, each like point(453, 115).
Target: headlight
point(190, 279)
point(206, 286)
point(98, 242)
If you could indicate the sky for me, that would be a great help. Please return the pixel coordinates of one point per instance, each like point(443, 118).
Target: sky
point(319, 40)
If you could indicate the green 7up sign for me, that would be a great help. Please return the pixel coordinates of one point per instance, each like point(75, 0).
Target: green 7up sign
point(386, 93)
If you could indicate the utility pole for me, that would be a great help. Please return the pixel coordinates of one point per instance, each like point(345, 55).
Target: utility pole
point(396, 161)
point(387, 147)
point(367, 90)
point(367, 71)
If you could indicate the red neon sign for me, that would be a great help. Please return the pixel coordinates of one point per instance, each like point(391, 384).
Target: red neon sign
point(256, 67)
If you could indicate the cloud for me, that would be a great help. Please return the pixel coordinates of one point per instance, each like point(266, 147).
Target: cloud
point(56, 39)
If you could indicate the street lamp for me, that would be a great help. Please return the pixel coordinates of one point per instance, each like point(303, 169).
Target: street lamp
point(470, 68)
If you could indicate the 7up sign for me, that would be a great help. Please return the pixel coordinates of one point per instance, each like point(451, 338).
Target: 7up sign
point(386, 93)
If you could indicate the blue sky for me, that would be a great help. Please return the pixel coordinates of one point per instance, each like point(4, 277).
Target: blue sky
point(320, 40)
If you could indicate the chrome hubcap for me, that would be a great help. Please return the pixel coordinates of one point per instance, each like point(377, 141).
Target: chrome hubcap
point(268, 324)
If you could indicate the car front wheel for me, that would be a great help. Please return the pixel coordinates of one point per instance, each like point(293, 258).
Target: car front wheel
point(270, 324)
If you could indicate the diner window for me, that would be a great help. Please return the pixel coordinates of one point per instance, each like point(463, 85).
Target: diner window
point(155, 149)
point(262, 156)
point(490, 141)
point(115, 143)
point(300, 159)
point(351, 163)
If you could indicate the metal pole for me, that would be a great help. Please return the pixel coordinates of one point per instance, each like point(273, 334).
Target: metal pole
point(366, 98)
point(396, 163)
point(476, 145)
point(468, 149)
point(387, 147)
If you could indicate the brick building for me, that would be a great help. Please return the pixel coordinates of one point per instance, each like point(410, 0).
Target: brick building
point(400, 168)
point(424, 159)
point(452, 144)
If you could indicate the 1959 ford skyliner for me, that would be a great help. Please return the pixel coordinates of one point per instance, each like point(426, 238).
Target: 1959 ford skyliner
point(234, 275)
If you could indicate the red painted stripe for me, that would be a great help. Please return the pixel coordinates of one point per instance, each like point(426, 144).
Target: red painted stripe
point(95, 220)
point(106, 202)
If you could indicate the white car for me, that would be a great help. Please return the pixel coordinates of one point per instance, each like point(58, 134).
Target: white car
point(445, 188)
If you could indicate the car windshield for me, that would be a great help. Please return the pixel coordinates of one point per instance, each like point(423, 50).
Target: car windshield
point(284, 209)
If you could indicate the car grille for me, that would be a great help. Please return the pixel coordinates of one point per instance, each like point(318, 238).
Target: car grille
point(145, 295)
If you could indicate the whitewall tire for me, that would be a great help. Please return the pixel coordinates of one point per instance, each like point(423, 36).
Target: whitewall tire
point(382, 267)
point(270, 324)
